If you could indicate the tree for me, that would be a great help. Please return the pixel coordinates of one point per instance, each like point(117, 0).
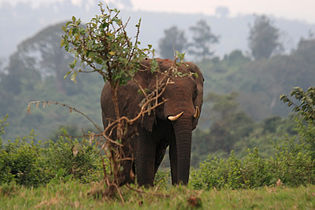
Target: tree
point(104, 47)
point(263, 38)
point(173, 40)
point(203, 39)
point(11, 82)
point(50, 58)
point(20, 74)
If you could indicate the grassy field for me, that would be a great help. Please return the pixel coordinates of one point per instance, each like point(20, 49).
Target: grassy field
point(73, 195)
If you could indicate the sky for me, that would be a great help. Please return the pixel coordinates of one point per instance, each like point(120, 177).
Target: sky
point(289, 9)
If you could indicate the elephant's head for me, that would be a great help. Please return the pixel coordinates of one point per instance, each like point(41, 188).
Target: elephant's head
point(184, 96)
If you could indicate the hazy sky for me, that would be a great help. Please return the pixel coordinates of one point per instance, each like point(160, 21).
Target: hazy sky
point(290, 9)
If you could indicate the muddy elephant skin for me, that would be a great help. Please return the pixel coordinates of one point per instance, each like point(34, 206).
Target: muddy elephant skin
point(170, 125)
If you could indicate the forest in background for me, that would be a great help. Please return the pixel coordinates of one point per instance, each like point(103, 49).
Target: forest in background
point(242, 106)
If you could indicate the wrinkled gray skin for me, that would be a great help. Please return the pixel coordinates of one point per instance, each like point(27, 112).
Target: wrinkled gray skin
point(150, 136)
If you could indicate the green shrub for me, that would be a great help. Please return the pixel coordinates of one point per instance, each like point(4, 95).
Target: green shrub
point(256, 170)
point(76, 159)
point(21, 161)
point(24, 162)
point(292, 164)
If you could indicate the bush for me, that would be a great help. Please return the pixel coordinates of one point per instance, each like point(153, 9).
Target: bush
point(21, 162)
point(76, 159)
point(27, 163)
point(292, 164)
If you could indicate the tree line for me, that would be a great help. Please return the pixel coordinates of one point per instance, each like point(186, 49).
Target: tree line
point(263, 40)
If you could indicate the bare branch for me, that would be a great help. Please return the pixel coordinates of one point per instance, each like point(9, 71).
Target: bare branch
point(70, 109)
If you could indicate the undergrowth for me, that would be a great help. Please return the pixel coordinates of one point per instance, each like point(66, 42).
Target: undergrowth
point(27, 162)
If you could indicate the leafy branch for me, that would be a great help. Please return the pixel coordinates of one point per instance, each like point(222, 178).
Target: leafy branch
point(303, 102)
point(104, 46)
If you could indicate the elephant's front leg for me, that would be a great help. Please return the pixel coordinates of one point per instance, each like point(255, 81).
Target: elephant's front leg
point(145, 159)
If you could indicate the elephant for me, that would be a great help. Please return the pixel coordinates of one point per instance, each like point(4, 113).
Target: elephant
point(171, 124)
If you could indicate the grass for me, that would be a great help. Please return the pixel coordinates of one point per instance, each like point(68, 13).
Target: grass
point(74, 195)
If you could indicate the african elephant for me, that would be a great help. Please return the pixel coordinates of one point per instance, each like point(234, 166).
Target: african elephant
point(171, 123)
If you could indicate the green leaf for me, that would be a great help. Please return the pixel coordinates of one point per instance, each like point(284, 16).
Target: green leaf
point(154, 65)
point(73, 64)
point(73, 77)
point(195, 75)
point(67, 74)
point(62, 42)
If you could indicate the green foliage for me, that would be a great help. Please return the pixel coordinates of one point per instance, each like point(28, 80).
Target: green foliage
point(21, 162)
point(307, 136)
point(305, 108)
point(76, 159)
point(103, 45)
point(162, 178)
point(27, 163)
point(306, 102)
point(173, 40)
point(263, 38)
point(292, 165)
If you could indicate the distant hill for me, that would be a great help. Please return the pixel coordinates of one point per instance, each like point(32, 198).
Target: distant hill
point(22, 21)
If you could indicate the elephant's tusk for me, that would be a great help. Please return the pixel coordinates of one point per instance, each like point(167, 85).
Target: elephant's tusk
point(197, 112)
point(173, 118)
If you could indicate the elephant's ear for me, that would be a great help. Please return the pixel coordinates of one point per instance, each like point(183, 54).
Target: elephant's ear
point(199, 92)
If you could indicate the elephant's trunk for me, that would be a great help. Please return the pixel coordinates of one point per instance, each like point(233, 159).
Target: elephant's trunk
point(180, 152)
